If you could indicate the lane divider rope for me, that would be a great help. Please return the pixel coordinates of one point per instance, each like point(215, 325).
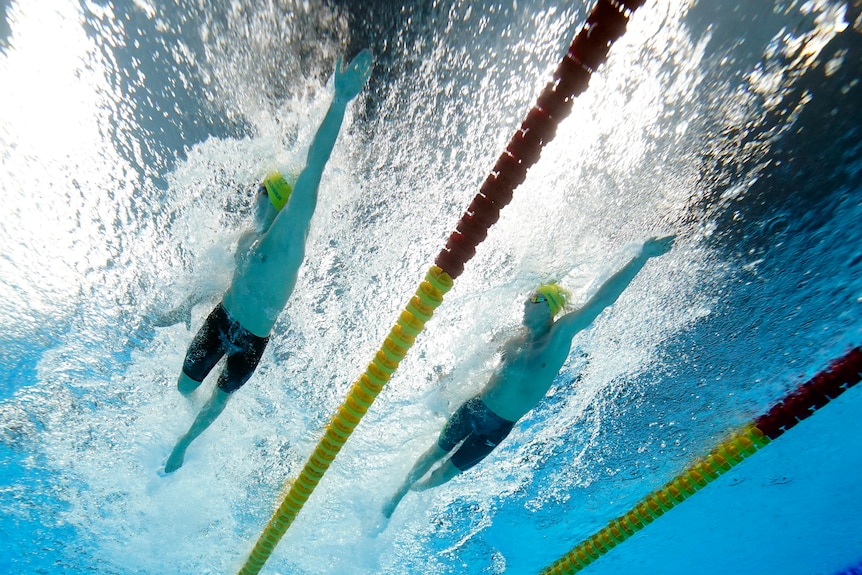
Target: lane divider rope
point(841, 374)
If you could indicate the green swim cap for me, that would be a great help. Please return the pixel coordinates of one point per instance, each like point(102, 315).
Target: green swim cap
point(277, 190)
point(556, 296)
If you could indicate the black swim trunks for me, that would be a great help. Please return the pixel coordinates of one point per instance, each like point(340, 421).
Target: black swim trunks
point(222, 335)
point(480, 428)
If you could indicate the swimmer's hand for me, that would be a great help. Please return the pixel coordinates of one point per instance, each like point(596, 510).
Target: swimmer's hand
point(349, 81)
point(181, 314)
point(655, 247)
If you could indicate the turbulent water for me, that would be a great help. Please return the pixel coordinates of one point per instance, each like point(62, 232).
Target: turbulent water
point(132, 136)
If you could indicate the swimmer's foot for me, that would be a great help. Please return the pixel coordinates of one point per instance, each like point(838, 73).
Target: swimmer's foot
point(175, 460)
point(389, 507)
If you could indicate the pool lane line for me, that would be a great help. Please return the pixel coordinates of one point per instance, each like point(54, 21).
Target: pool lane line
point(840, 375)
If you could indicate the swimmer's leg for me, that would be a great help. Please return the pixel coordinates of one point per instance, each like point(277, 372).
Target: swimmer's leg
point(457, 429)
point(440, 476)
point(187, 385)
point(204, 352)
point(473, 450)
point(420, 468)
point(209, 412)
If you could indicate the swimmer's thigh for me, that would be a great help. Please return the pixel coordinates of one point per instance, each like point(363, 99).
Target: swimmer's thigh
point(240, 365)
point(206, 348)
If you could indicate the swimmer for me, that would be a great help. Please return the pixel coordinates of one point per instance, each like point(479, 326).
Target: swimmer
point(531, 362)
point(268, 261)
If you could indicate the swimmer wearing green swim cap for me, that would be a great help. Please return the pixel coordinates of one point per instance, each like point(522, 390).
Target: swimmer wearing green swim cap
point(530, 363)
point(277, 190)
point(268, 261)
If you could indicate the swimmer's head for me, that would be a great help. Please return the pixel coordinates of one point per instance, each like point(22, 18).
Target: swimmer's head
point(554, 294)
point(278, 190)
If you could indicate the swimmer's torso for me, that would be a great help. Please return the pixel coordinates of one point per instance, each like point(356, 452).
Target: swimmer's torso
point(526, 373)
point(263, 280)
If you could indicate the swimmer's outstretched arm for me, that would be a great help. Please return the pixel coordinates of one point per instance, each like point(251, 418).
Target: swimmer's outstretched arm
point(303, 201)
point(610, 291)
point(183, 312)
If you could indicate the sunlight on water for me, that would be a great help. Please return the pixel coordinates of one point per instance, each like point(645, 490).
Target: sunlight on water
point(95, 243)
point(56, 110)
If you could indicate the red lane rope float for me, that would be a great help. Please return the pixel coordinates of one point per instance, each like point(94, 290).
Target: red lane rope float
point(842, 374)
point(605, 24)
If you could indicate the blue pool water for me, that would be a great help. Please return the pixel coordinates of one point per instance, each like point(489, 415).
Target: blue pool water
point(132, 133)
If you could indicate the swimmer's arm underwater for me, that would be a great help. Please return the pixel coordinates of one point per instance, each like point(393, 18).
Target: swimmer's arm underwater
point(183, 312)
point(610, 291)
point(348, 81)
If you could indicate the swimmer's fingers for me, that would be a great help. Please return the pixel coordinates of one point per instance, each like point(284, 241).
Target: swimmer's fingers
point(362, 64)
point(658, 246)
point(350, 80)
